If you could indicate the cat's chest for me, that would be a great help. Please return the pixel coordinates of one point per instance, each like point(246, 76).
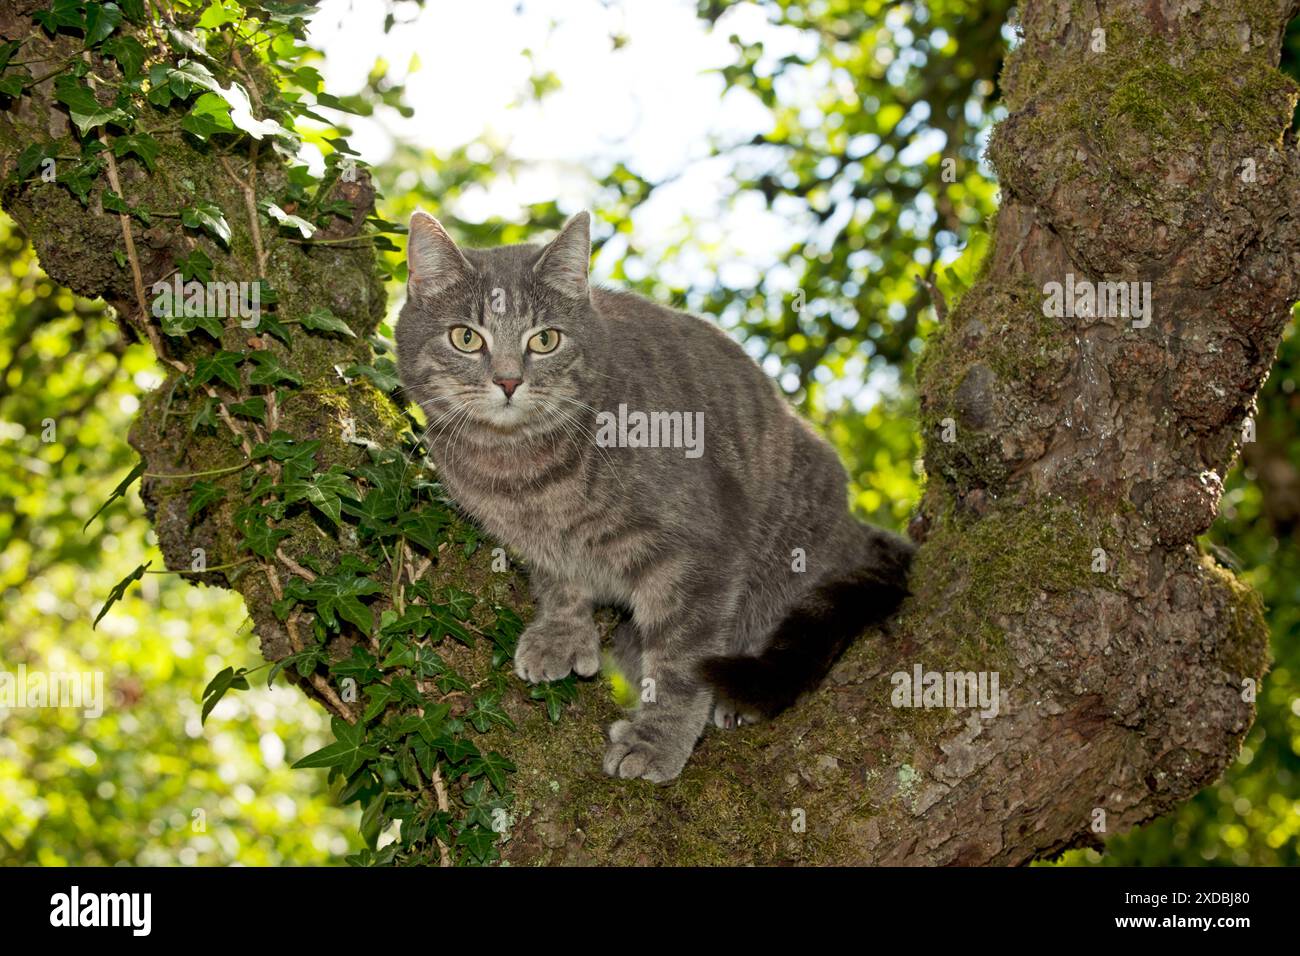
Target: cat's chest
point(534, 503)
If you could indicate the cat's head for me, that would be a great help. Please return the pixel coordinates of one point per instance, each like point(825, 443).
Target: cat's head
point(501, 338)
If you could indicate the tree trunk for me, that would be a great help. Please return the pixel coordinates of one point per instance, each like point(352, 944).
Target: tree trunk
point(1072, 461)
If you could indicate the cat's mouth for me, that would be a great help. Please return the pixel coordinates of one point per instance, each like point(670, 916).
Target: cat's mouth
point(506, 413)
point(506, 417)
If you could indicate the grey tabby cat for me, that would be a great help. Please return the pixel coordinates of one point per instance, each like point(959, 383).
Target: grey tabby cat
point(742, 568)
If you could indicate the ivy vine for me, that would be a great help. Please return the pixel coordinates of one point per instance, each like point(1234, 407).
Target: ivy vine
point(374, 636)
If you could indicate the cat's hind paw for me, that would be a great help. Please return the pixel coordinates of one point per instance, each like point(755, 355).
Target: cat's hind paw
point(728, 715)
point(631, 754)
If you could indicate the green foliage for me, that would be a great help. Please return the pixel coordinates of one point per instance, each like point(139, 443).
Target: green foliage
point(405, 759)
point(147, 782)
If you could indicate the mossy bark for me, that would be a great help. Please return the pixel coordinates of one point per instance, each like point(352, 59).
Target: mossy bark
point(1121, 689)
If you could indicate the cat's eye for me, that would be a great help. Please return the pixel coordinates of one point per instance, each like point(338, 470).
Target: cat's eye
point(544, 341)
point(465, 339)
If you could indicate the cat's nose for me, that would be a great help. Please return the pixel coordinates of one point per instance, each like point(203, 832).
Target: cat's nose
point(508, 385)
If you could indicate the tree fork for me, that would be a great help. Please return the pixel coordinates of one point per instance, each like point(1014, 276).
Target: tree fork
point(1122, 689)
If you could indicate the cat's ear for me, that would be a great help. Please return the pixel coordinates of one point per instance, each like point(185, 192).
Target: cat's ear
point(433, 261)
point(567, 258)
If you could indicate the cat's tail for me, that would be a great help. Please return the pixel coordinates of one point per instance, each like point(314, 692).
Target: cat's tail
point(816, 631)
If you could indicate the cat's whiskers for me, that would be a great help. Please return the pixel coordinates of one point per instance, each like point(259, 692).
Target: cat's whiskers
point(453, 441)
point(555, 417)
point(580, 435)
point(441, 423)
point(592, 438)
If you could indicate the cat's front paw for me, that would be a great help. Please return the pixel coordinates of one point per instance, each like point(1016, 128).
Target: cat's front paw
point(632, 753)
point(547, 651)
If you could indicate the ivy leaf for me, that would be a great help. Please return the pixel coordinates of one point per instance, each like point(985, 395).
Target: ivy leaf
point(128, 53)
point(487, 711)
point(207, 116)
point(460, 602)
point(188, 76)
point(268, 324)
point(348, 751)
point(7, 51)
point(491, 765)
point(80, 178)
point(259, 536)
point(254, 408)
point(383, 374)
point(208, 217)
point(262, 539)
point(186, 42)
point(401, 654)
point(227, 679)
point(218, 15)
point(505, 632)
point(14, 83)
point(482, 803)
point(323, 320)
point(372, 820)
point(119, 591)
point(62, 13)
point(427, 662)
point(339, 595)
point(181, 324)
point(80, 100)
point(555, 694)
point(101, 20)
point(297, 457)
point(361, 665)
point(269, 371)
point(374, 510)
point(241, 113)
point(302, 462)
point(30, 158)
point(323, 491)
point(118, 492)
point(456, 749)
point(424, 527)
point(206, 416)
point(478, 842)
point(449, 626)
point(139, 144)
point(196, 265)
point(380, 695)
point(221, 365)
point(431, 722)
point(285, 219)
point(203, 494)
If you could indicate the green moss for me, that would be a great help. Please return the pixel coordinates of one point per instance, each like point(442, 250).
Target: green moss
point(970, 574)
point(1244, 645)
point(1145, 93)
point(1004, 329)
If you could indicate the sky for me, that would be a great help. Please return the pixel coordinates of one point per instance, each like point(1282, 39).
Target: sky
point(653, 103)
